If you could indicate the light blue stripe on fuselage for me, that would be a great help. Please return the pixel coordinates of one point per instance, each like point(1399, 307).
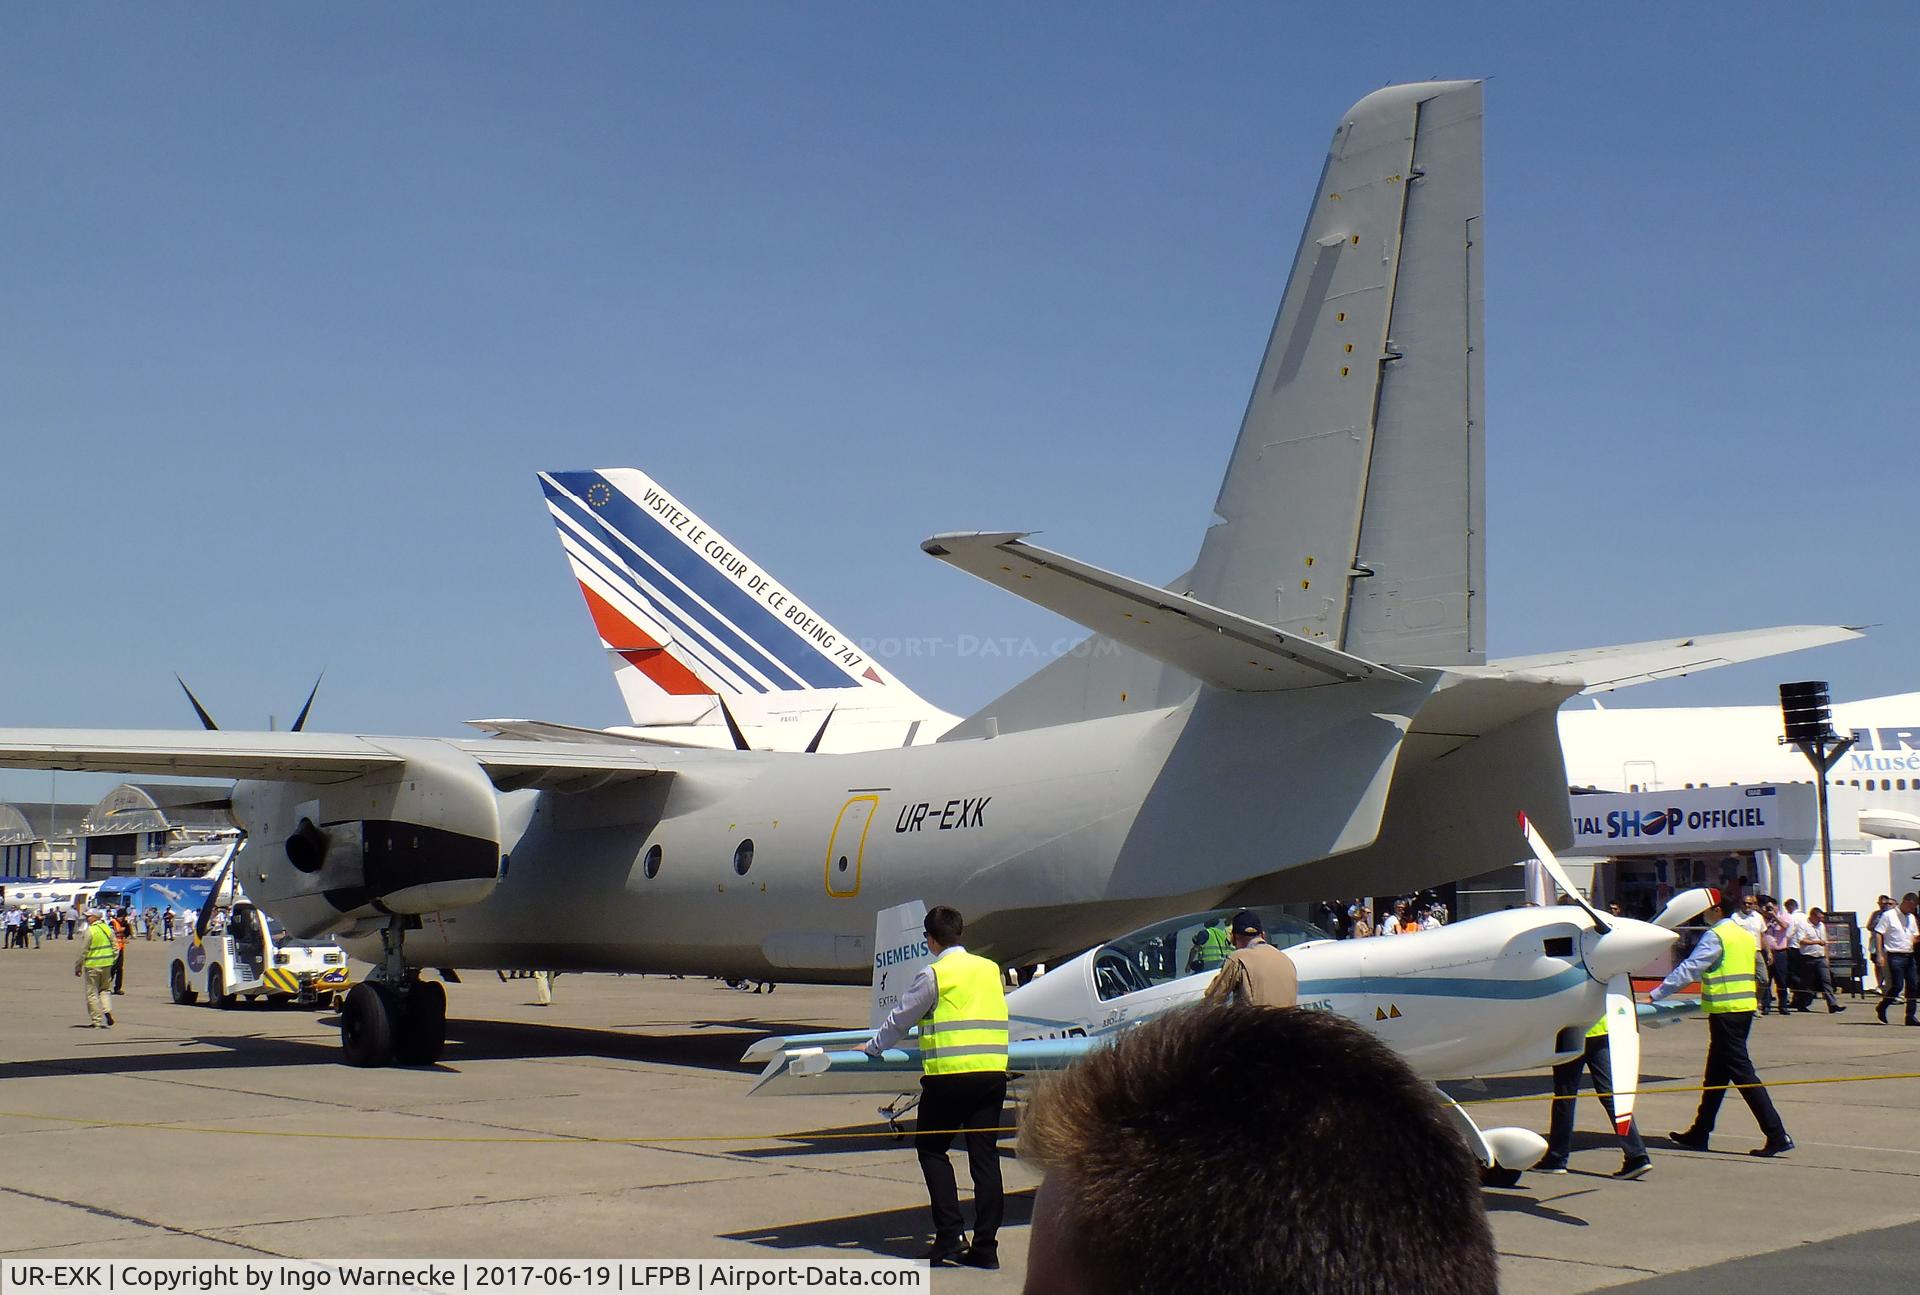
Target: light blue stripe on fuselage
point(1446, 986)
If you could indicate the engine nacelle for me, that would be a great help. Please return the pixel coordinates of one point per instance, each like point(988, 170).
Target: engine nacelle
point(409, 839)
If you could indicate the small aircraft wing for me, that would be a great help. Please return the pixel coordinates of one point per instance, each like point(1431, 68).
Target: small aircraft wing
point(1604, 669)
point(831, 1071)
point(1216, 646)
point(1666, 1012)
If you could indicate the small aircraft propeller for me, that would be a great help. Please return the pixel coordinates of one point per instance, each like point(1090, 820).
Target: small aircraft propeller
point(1622, 1014)
point(1623, 1049)
point(1558, 873)
point(1686, 906)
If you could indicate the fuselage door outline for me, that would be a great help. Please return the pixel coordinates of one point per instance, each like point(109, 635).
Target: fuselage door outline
point(848, 844)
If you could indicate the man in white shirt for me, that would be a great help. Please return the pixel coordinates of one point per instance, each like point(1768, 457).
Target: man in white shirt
point(1897, 928)
point(1755, 923)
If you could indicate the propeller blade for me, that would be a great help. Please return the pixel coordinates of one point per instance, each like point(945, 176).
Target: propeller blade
point(1559, 874)
point(733, 727)
point(206, 720)
point(1623, 1049)
point(301, 722)
point(813, 747)
point(1686, 906)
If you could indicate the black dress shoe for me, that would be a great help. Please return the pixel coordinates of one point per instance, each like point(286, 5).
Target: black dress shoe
point(1881, 1012)
point(945, 1254)
point(1774, 1147)
point(987, 1257)
point(1835, 1007)
point(1689, 1139)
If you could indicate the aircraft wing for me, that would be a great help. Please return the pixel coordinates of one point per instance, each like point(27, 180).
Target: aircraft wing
point(820, 1072)
point(1666, 1012)
point(305, 757)
point(1603, 669)
point(1217, 646)
point(296, 757)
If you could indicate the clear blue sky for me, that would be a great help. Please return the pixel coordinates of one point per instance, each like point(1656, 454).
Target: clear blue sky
point(295, 300)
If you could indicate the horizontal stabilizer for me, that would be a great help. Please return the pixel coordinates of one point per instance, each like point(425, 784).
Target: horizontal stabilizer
point(1603, 669)
point(542, 730)
point(1218, 647)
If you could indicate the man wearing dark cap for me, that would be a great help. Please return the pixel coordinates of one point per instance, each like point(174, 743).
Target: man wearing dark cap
point(1255, 973)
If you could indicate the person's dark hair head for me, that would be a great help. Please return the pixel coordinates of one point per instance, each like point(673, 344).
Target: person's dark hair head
point(1816, 914)
point(1314, 1147)
point(944, 924)
point(1247, 922)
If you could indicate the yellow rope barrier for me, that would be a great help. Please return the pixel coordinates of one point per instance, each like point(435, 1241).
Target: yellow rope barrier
point(820, 1135)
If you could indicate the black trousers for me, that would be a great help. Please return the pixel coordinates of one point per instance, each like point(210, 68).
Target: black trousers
point(1566, 1087)
point(975, 1102)
point(1728, 1063)
point(1781, 975)
point(1816, 978)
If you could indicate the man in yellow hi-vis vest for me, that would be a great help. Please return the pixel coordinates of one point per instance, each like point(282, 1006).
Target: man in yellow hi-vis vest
point(963, 1050)
point(1723, 963)
point(95, 967)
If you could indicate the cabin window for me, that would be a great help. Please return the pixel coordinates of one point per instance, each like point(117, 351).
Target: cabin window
point(651, 864)
point(743, 856)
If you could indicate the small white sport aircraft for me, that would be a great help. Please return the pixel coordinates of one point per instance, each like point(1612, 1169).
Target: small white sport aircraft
point(1505, 992)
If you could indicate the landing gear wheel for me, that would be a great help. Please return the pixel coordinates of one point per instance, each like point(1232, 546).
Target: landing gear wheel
point(367, 1022)
point(177, 983)
point(423, 1026)
point(1499, 1176)
point(217, 995)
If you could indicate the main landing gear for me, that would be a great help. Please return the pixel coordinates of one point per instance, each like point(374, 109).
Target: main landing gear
point(393, 1016)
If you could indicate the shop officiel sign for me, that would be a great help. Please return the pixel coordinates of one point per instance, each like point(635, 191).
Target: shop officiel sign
point(1744, 812)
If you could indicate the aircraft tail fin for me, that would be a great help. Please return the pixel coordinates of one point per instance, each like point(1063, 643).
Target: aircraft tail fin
point(1352, 511)
point(683, 614)
point(1351, 514)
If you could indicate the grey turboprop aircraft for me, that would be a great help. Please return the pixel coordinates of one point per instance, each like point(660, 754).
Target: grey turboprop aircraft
point(1308, 711)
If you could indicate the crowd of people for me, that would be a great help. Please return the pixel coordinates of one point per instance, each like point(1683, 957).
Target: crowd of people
point(1404, 916)
point(26, 929)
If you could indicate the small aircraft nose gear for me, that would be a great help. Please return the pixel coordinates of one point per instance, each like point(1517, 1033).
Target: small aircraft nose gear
point(393, 1015)
point(897, 1110)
